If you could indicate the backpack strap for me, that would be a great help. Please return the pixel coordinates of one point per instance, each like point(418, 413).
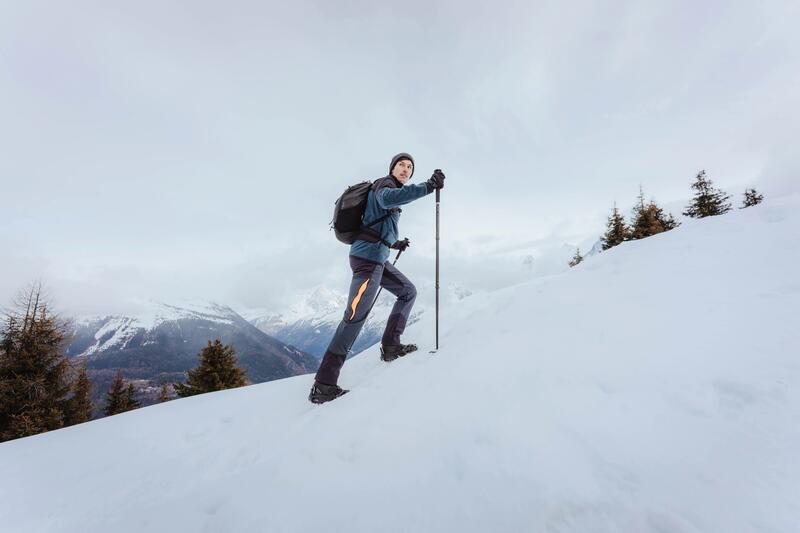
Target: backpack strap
point(384, 217)
point(367, 229)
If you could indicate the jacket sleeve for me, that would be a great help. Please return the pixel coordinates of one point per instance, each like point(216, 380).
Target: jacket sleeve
point(389, 198)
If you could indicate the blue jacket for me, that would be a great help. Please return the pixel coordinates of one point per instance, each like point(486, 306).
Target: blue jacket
point(386, 193)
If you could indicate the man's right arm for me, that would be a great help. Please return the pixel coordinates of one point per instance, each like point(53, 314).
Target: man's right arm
point(389, 198)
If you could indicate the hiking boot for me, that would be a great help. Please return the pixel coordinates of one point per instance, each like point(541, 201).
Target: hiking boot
point(321, 393)
point(392, 352)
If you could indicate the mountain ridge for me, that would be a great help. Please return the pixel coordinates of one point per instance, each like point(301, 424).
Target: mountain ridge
point(160, 345)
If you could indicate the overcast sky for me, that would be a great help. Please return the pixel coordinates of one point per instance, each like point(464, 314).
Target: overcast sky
point(193, 150)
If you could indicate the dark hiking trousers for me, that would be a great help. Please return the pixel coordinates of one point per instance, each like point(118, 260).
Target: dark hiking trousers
point(367, 278)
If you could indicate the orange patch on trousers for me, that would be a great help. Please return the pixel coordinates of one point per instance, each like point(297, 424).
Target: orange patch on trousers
point(357, 299)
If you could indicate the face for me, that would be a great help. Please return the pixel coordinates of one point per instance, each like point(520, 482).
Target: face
point(402, 171)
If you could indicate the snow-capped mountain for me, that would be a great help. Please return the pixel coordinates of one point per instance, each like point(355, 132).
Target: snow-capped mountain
point(160, 343)
point(310, 323)
point(653, 388)
point(96, 334)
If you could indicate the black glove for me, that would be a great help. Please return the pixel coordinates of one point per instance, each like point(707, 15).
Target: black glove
point(436, 181)
point(401, 245)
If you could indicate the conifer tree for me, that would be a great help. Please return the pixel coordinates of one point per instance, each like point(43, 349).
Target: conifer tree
point(751, 198)
point(707, 201)
point(79, 406)
point(163, 394)
point(667, 222)
point(34, 372)
point(217, 371)
point(576, 259)
point(643, 223)
point(649, 219)
point(657, 220)
point(616, 230)
point(131, 403)
point(117, 397)
point(640, 222)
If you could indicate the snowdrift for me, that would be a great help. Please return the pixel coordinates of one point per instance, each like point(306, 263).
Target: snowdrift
point(653, 388)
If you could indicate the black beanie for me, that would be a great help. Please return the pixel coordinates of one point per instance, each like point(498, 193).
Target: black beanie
point(399, 157)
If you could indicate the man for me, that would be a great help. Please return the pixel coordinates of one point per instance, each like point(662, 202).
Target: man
point(371, 270)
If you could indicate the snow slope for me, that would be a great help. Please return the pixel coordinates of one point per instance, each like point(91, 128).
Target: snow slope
point(653, 388)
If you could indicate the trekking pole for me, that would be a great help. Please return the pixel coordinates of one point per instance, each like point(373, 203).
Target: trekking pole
point(379, 290)
point(437, 271)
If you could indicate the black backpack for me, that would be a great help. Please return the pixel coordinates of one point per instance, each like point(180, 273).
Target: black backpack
point(348, 216)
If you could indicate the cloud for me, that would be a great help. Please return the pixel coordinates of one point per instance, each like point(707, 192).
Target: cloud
point(157, 149)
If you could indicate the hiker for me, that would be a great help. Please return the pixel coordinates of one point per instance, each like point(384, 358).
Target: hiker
point(371, 269)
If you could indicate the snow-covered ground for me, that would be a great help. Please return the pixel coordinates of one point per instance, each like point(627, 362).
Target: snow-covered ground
point(653, 388)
